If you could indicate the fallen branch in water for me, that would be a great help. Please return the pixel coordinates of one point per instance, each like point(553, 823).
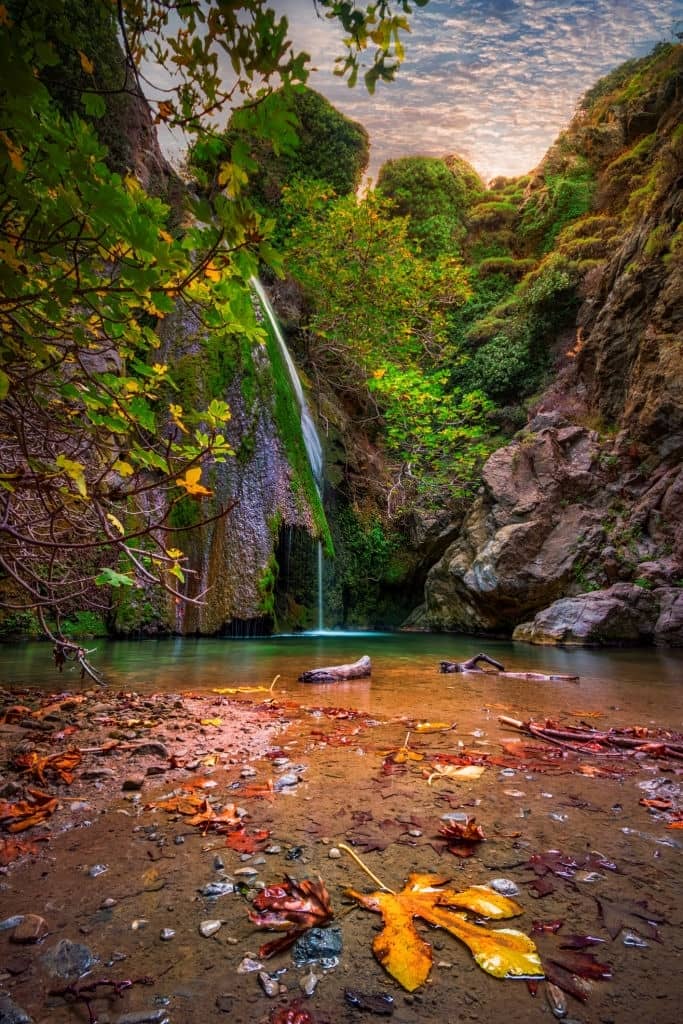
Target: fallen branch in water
point(471, 667)
point(603, 742)
point(82, 992)
point(356, 670)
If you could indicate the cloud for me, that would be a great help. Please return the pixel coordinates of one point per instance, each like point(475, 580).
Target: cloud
point(495, 80)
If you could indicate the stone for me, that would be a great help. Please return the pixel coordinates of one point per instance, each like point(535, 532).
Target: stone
point(10, 1013)
point(318, 945)
point(69, 959)
point(32, 929)
point(623, 612)
point(133, 782)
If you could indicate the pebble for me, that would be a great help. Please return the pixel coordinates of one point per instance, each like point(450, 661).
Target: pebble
point(559, 817)
point(248, 773)
point(273, 848)
point(285, 781)
point(454, 816)
point(216, 889)
point(143, 1017)
point(309, 982)
point(166, 934)
point(108, 903)
point(415, 832)
point(179, 840)
point(139, 923)
point(209, 927)
point(556, 1000)
point(218, 863)
point(248, 964)
point(133, 782)
point(588, 876)
point(10, 1013)
point(97, 869)
point(11, 922)
point(633, 939)
point(271, 986)
point(334, 853)
point(33, 928)
point(504, 886)
point(246, 872)
point(318, 945)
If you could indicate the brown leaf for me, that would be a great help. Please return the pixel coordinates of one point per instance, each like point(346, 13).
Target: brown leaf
point(630, 914)
point(292, 907)
point(23, 814)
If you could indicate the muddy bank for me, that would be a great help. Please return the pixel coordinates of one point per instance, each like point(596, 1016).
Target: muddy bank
point(154, 886)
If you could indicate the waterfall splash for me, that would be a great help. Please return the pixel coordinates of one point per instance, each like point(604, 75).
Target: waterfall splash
point(314, 449)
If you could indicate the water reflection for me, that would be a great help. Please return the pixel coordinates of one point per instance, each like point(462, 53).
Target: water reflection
point(639, 684)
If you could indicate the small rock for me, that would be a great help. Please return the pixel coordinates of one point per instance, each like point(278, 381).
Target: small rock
point(97, 869)
point(179, 840)
point(133, 782)
point(556, 1000)
point(271, 986)
point(209, 927)
point(309, 982)
point(273, 848)
point(69, 959)
point(630, 938)
point(225, 1002)
point(11, 922)
point(98, 773)
point(215, 889)
point(246, 872)
point(152, 747)
point(334, 853)
point(218, 863)
point(166, 934)
point(248, 964)
point(108, 903)
point(318, 945)
point(156, 769)
point(143, 1017)
point(504, 886)
point(10, 1013)
point(139, 923)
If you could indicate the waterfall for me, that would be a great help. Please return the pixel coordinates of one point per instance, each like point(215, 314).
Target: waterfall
point(309, 433)
point(314, 449)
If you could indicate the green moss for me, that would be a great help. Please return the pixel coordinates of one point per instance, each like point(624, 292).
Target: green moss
point(266, 588)
point(505, 265)
point(288, 420)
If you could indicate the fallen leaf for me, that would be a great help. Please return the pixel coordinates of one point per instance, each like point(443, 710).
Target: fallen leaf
point(433, 726)
point(210, 820)
point(630, 914)
point(244, 842)
point(461, 837)
point(23, 814)
point(407, 957)
point(460, 773)
point(216, 722)
point(293, 907)
point(13, 849)
point(656, 804)
point(61, 765)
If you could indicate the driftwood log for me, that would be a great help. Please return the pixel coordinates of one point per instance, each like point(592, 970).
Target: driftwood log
point(471, 667)
point(602, 742)
point(356, 670)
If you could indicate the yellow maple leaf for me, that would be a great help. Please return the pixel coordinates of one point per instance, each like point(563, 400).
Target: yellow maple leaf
point(191, 482)
point(407, 957)
point(86, 63)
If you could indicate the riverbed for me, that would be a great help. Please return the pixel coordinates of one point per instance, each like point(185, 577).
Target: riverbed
point(341, 743)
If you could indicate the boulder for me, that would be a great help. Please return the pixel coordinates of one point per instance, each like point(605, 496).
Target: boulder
point(623, 613)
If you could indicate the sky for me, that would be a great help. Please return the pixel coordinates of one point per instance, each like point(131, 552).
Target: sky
point(491, 80)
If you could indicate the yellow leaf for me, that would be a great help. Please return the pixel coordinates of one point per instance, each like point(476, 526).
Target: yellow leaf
point(176, 412)
point(212, 272)
point(124, 468)
point(378, 374)
point(115, 522)
point(191, 482)
point(13, 152)
point(86, 63)
point(432, 726)
point(216, 722)
point(401, 950)
point(453, 771)
point(174, 553)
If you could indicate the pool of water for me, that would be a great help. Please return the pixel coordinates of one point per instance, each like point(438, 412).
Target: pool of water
point(631, 684)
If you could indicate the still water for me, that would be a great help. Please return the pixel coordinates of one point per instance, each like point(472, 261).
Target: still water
point(628, 685)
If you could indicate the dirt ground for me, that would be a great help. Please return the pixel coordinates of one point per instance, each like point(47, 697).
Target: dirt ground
point(122, 879)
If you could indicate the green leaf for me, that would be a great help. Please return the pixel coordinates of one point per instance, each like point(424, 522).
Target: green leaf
point(93, 104)
point(111, 578)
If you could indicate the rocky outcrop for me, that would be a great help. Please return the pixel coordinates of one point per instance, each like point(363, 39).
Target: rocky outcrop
point(564, 509)
point(624, 613)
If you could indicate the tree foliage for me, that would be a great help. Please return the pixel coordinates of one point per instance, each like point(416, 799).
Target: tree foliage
point(93, 451)
point(377, 332)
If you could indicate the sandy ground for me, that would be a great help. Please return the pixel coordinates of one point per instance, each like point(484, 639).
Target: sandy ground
point(125, 879)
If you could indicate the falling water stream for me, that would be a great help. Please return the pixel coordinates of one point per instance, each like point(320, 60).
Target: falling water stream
point(311, 439)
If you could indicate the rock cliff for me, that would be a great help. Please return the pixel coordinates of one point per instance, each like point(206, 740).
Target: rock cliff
point(579, 521)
